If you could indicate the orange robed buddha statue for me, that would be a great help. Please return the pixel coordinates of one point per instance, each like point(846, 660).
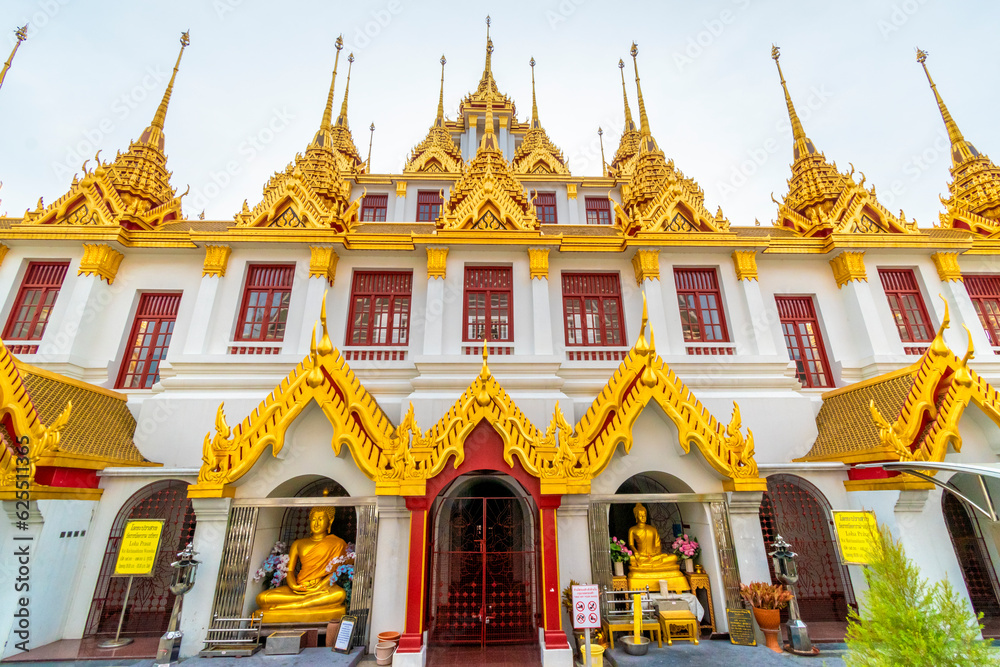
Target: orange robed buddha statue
point(308, 596)
point(649, 565)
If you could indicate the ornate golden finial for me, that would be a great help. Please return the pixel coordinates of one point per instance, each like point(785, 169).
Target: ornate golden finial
point(325, 344)
point(646, 142)
point(534, 103)
point(342, 118)
point(439, 121)
point(961, 150)
point(161, 111)
point(803, 145)
point(22, 34)
point(629, 123)
point(485, 372)
point(604, 164)
point(371, 137)
point(489, 140)
point(325, 124)
point(489, 48)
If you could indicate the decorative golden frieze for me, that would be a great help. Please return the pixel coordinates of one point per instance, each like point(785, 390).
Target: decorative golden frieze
point(849, 266)
point(401, 459)
point(947, 266)
point(538, 260)
point(400, 188)
point(745, 263)
point(571, 190)
point(3, 252)
point(647, 265)
point(437, 261)
point(323, 263)
point(100, 260)
point(216, 260)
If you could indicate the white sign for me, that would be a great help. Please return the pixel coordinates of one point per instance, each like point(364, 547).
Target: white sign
point(586, 607)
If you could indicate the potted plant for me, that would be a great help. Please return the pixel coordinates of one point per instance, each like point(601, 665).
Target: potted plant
point(620, 554)
point(687, 548)
point(767, 601)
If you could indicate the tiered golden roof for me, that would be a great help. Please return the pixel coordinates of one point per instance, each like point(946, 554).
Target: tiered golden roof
point(133, 191)
point(312, 191)
point(438, 151)
point(537, 154)
point(973, 202)
point(623, 163)
point(658, 197)
point(487, 90)
point(821, 200)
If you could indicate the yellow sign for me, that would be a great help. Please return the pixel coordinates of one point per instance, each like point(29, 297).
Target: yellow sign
point(857, 533)
point(139, 547)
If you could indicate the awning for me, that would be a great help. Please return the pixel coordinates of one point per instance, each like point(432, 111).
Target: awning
point(979, 470)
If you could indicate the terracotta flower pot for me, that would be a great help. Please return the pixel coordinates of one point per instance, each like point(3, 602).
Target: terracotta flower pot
point(390, 637)
point(332, 628)
point(769, 621)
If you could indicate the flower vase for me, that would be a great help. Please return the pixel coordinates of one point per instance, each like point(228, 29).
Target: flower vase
point(689, 566)
point(619, 569)
point(769, 621)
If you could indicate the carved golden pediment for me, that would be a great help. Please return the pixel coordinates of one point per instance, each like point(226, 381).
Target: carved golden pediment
point(489, 201)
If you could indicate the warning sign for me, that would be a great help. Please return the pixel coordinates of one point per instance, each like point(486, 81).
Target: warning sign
point(139, 547)
point(857, 533)
point(586, 607)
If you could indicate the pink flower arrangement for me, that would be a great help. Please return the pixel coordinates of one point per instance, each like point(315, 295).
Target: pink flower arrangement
point(686, 547)
point(620, 553)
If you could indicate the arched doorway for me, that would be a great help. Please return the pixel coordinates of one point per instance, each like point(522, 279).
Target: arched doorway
point(150, 600)
point(295, 522)
point(665, 517)
point(797, 511)
point(977, 568)
point(484, 587)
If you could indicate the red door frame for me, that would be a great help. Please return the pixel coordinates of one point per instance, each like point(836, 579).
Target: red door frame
point(483, 451)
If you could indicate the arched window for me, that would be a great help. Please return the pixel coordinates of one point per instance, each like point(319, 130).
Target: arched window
point(977, 569)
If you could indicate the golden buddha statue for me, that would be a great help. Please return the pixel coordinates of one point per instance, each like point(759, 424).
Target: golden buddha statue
point(307, 595)
point(649, 565)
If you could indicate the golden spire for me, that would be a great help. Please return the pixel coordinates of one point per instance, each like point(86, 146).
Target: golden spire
point(534, 103)
point(439, 121)
point(22, 34)
point(629, 123)
point(961, 150)
point(154, 133)
point(325, 124)
point(489, 139)
point(647, 143)
point(488, 70)
point(803, 145)
point(342, 118)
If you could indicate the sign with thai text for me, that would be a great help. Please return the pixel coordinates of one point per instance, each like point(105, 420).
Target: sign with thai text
point(139, 548)
point(586, 607)
point(857, 533)
point(741, 627)
point(345, 637)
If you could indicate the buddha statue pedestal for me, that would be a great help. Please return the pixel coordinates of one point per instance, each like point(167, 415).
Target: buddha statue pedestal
point(649, 565)
point(307, 596)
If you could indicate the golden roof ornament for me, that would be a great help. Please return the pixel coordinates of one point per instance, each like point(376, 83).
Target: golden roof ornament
point(646, 142)
point(21, 34)
point(487, 88)
point(323, 136)
point(438, 151)
point(821, 200)
point(343, 141)
point(623, 162)
point(973, 202)
point(537, 154)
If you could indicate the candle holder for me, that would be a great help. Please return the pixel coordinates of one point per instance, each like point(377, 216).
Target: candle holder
point(787, 572)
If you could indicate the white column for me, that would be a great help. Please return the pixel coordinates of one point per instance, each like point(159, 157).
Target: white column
point(212, 515)
point(962, 311)
point(88, 297)
point(315, 288)
point(388, 612)
point(399, 212)
point(541, 315)
point(863, 318)
point(748, 541)
point(471, 145)
point(18, 538)
point(505, 139)
point(763, 336)
point(434, 317)
point(201, 318)
point(572, 205)
point(573, 529)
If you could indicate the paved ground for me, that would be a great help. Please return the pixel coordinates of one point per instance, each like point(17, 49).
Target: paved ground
point(721, 652)
point(308, 658)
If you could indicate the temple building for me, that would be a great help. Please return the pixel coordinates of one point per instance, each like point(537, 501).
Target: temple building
point(482, 369)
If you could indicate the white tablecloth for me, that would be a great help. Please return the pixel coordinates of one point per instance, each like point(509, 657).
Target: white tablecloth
point(692, 601)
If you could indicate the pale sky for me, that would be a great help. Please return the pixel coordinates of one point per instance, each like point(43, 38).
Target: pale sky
point(254, 80)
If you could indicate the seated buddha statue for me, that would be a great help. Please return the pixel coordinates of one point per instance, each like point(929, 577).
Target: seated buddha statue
point(649, 565)
point(307, 595)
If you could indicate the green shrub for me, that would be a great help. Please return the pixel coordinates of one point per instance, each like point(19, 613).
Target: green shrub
point(907, 621)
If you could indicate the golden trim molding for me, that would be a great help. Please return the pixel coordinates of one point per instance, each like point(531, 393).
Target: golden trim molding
point(323, 263)
point(647, 265)
point(437, 260)
point(947, 267)
point(571, 190)
point(849, 266)
point(3, 252)
point(400, 188)
point(538, 260)
point(100, 260)
point(216, 260)
point(745, 264)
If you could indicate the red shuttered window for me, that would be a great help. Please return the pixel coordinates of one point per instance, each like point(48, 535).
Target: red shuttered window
point(804, 340)
point(380, 308)
point(545, 206)
point(488, 299)
point(373, 208)
point(428, 205)
point(35, 299)
point(700, 303)
point(984, 290)
point(598, 211)
point(907, 305)
point(265, 302)
point(149, 341)
point(592, 308)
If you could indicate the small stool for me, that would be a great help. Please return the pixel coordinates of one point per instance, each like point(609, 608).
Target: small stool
point(683, 619)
